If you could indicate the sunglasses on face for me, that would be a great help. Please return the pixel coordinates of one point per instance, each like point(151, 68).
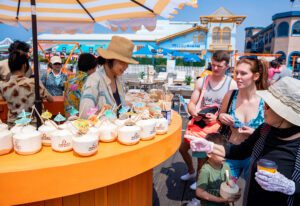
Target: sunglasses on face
point(57, 64)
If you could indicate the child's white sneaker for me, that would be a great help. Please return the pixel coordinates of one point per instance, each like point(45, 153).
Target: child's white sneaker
point(193, 186)
point(194, 202)
point(188, 176)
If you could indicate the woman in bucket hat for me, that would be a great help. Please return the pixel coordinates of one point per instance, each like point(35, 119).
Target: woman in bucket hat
point(104, 85)
point(277, 140)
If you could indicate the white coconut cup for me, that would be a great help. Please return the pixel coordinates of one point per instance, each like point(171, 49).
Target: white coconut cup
point(68, 126)
point(46, 129)
point(3, 127)
point(94, 131)
point(108, 132)
point(6, 141)
point(148, 130)
point(23, 129)
point(61, 140)
point(85, 145)
point(227, 191)
point(27, 143)
point(162, 126)
point(120, 122)
point(129, 135)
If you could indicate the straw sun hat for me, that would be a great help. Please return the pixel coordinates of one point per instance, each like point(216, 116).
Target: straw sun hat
point(119, 48)
point(284, 98)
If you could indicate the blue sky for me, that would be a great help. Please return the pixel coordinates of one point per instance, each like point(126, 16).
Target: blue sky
point(258, 12)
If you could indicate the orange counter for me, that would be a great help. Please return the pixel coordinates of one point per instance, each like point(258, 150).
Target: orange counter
point(116, 175)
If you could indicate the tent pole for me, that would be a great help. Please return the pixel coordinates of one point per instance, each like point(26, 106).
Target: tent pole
point(38, 102)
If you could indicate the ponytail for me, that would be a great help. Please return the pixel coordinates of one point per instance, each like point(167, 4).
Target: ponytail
point(262, 82)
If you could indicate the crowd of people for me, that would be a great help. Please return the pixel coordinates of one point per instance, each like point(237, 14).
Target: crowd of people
point(259, 119)
point(235, 122)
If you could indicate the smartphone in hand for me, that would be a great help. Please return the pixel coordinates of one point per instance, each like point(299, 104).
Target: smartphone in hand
point(201, 114)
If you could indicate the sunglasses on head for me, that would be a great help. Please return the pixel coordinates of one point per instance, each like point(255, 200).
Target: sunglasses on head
point(251, 57)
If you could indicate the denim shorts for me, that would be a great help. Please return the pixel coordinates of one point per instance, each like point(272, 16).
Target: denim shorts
point(238, 166)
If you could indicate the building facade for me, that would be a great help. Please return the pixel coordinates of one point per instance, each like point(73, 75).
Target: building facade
point(282, 36)
point(216, 31)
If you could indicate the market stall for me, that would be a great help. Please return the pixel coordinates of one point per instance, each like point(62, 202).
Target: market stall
point(115, 175)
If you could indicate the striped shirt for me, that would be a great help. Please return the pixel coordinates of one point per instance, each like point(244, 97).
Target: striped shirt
point(255, 146)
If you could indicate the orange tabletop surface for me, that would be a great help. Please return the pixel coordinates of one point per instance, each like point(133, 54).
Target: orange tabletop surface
point(50, 174)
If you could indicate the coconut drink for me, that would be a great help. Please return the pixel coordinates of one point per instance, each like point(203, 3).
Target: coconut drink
point(162, 124)
point(94, 131)
point(85, 142)
point(22, 128)
point(139, 107)
point(22, 124)
point(85, 145)
point(129, 134)
point(27, 142)
point(61, 140)
point(108, 131)
point(124, 115)
point(46, 129)
point(6, 142)
point(106, 127)
point(228, 188)
point(147, 125)
point(121, 122)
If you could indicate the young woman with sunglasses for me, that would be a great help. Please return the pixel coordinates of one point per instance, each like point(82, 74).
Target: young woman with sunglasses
point(246, 109)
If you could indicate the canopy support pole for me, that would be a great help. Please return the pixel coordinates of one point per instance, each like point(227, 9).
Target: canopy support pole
point(88, 13)
point(145, 7)
point(18, 10)
point(38, 101)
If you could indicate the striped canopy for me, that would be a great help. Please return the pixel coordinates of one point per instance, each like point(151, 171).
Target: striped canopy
point(58, 16)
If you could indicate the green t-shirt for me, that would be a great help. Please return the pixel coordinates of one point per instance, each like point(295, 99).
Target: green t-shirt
point(210, 180)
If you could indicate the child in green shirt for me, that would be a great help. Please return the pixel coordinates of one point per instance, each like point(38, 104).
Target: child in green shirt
point(211, 175)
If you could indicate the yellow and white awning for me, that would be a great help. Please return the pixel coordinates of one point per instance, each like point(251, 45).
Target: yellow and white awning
point(70, 15)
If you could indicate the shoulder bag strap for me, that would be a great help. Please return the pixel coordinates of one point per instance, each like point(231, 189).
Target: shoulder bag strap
point(204, 86)
point(230, 100)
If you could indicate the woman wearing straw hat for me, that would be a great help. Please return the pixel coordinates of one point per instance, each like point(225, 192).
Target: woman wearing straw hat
point(277, 140)
point(104, 85)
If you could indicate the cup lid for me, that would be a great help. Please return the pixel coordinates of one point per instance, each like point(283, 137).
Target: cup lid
point(267, 163)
